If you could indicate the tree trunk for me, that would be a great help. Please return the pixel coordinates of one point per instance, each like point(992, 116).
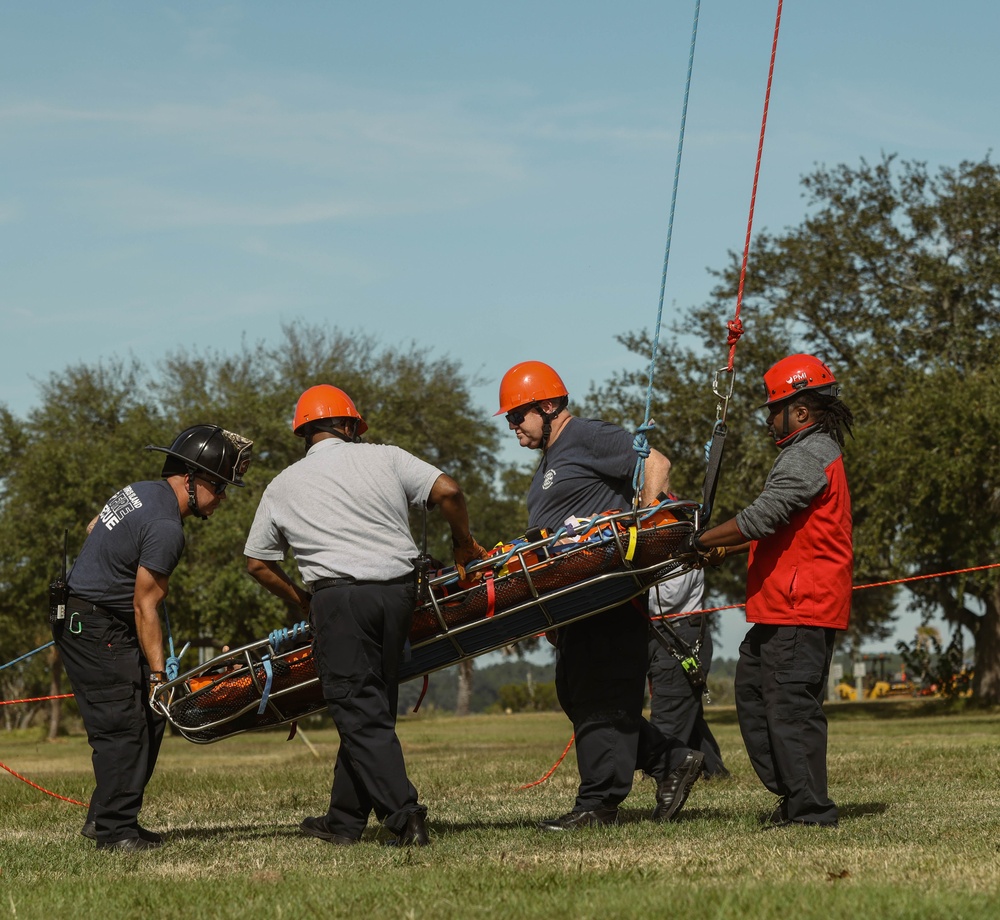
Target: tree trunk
point(464, 697)
point(55, 688)
point(986, 682)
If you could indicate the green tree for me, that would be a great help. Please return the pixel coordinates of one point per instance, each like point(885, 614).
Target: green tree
point(893, 277)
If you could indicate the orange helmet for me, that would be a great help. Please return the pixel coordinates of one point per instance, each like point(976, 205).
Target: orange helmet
point(529, 382)
point(325, 401)
point(796, 373)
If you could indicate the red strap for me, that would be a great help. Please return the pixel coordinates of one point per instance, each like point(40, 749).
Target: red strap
point(423, 692)
point(491, 595)
point(292, 729)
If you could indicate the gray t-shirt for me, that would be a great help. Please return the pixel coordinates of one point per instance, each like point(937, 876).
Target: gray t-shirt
point(140, 525)
point(587, 470)
point(343, 512)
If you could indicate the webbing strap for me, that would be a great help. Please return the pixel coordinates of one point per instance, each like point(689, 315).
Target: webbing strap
point(491, 595)
point(633, 541)
point(423, 692)
point(715, 450)
point(268, 680)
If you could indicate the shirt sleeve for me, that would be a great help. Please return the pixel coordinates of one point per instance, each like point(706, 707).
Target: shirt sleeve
point(416, 475)
point(265, 540)
point(161, 546)
point(796, 478)
point(612, 452)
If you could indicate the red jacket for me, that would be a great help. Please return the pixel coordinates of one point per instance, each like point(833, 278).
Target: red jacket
point(802, 574)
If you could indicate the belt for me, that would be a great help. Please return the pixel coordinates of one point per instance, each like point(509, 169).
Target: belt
point(323, 583)
point(90, 606)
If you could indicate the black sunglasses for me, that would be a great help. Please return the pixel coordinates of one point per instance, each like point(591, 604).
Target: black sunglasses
point(216, 485)
point(517, 416)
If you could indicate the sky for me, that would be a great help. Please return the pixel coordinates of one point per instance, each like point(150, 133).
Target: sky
point(489, 181)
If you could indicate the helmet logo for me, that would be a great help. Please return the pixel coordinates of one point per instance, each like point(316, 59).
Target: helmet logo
point(798, 380)
point(243, 452)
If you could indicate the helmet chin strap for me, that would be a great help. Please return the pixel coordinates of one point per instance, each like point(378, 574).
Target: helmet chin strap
point(193, 498)
point(323, 425)
point(547, 419)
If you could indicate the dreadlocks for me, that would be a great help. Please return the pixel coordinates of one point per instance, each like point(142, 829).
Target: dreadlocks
point(831, 414)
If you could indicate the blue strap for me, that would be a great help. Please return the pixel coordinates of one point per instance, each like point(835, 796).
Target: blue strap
point(269, 679)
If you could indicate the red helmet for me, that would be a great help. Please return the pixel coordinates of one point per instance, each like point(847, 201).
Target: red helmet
point(529, 382)
point(796, 373)
point(325, 401)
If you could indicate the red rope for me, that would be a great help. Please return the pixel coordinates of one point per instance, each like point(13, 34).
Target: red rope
point(874, 584)
point(735, 325)
point(554, 766)
point(37, 699)
point(54, 795)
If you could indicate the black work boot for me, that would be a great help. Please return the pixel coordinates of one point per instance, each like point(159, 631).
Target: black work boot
point(414, 834)
point(89, 830)
point(317, 827)
point(574, 820)
point(672, 793)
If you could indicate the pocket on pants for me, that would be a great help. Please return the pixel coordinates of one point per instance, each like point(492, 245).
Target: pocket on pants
point(114, 693)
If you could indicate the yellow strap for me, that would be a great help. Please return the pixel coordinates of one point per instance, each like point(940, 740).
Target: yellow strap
point(633, 538)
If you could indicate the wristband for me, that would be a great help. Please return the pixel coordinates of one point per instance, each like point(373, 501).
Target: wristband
point(698, 545)
point(157, 677)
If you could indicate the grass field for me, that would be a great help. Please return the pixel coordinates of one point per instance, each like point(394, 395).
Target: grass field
point(919, 838)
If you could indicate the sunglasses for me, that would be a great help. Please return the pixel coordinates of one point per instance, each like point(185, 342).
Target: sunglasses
point(517, 416)
point(216, 485)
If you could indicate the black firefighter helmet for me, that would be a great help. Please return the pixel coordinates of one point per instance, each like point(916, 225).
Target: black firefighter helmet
point(210, 449)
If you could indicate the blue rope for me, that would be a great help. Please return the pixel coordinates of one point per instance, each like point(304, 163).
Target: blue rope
point(28, 655)
point(641, 444)
point(173, 663)
point(278, 637)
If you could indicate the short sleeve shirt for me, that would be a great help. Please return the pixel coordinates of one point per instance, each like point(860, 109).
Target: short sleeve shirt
point(139, 526)
point(343, 511)
point(587, 470)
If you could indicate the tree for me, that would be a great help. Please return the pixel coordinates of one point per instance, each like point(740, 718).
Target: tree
point(893, 277)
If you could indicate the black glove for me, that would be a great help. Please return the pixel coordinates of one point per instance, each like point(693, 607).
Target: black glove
point(687, 545)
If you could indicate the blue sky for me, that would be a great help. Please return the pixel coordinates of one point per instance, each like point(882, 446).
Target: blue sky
point(490, 181)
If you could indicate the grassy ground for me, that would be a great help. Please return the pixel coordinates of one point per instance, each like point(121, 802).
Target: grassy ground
point(919, 794)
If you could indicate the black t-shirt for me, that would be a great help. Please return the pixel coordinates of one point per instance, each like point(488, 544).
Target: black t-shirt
point(587, 470)
point(140, 525)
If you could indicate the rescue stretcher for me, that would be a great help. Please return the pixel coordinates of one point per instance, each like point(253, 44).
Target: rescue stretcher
point(521, 589)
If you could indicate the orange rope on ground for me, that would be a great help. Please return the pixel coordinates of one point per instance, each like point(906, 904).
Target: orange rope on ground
point(554, 766)
point(54, 795)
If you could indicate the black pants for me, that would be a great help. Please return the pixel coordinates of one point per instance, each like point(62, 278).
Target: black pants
point(110, 678)
point(360, 631)
point(676, 708)
point(780, 684)
point(600, 681)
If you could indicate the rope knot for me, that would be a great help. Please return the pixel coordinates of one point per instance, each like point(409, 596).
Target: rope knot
point(640, 444)
point(735, 327)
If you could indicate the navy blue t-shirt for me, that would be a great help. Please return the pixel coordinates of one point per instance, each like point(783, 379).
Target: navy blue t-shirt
point(587, 470)
point(140, 525)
